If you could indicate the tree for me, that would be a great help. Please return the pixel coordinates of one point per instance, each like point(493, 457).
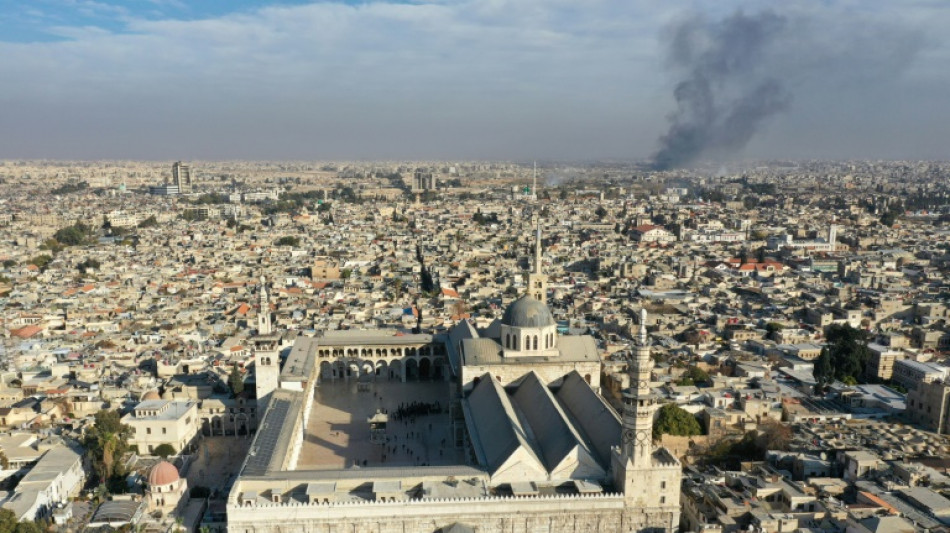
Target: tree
point(848, 349)
point(236, 380)
point(106, 442)
point(28, 527)
point(41, 261)
point(8, 521)
point(824, 372)
point(149, 222)
point(772, 328)
point(672, 420)
point(164, 450)
point(773, 435)
point(600, 212)
point(9, 263)
point(693, 375)
point(288, 240)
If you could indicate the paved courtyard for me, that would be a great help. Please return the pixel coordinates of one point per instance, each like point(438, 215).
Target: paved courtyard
point(217, 461)
point(338, 434)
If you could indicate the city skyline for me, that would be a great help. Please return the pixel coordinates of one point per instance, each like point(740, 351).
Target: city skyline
point(164, 80)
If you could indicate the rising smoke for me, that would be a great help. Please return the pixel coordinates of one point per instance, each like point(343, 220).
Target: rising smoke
point(724, 97)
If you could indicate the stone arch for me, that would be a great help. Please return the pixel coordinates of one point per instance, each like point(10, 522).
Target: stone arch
point(326, 370)
point(367, 368)
point(412, 369)
point(396, 369)
point(382, 368)
point(438, 368)
point(425, 368)
point(339, 369)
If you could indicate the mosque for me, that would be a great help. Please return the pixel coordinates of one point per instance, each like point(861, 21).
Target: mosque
point(505, 431)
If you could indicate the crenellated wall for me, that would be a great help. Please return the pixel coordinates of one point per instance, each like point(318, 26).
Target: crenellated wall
point(603, 513)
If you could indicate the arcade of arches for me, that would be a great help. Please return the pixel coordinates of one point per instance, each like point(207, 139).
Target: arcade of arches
point(389, 362)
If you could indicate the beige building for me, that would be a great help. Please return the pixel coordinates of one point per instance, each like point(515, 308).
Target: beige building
point(526, 455)
point(156, 422)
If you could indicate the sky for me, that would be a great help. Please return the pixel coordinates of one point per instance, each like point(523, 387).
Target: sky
point(467, 79)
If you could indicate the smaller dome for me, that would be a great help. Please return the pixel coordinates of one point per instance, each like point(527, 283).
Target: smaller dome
point(526, 312)
point(151, 395)
point(164, 473)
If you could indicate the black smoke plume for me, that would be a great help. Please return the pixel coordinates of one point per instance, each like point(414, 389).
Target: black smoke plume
point(723, 99)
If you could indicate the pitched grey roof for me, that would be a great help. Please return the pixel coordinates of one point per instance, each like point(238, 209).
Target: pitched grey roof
point(555, 436)
point(589, 412)
point(494, 426)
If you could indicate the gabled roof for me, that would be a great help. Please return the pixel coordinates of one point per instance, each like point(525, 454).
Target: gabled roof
point(563, 450)
point(501, 442)
point(591, 414)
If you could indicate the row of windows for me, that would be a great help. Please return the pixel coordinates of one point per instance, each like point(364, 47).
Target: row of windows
point(529, 342)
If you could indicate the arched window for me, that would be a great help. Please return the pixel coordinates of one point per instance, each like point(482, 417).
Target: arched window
point(507, 340)
point(535, 342)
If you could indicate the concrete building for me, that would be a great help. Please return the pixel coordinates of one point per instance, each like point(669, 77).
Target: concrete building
point(156, 422)
point(181, 177)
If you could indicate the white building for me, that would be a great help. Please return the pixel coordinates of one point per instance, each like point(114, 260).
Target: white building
point(156, 422)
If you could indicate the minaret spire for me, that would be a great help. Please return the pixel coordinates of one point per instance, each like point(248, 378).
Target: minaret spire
point(263, 317)
point(537, 249)
point(534, 183)
point(639, 403)
point(537, 281)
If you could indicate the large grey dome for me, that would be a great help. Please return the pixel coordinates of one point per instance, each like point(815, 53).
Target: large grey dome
point(526, 312)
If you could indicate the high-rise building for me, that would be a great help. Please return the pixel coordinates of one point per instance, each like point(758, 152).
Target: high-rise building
point(423, 181)
point(181, 177)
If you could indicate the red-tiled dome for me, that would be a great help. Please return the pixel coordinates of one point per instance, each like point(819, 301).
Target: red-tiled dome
point(164, 473)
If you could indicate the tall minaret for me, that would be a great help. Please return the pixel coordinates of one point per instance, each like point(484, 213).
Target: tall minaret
point(534, 183)
point(537, 281)
point(648, 476)
point(639, 403)
point(263, 317)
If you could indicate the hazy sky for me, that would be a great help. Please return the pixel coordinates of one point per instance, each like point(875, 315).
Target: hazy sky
point(480, 79)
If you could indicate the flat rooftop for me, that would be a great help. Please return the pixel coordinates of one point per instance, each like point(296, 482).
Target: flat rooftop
point(338, 434)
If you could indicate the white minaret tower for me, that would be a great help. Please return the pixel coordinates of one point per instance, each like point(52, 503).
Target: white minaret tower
point(639, 403)
point(649, 476)
point(263, 317)
point(537, 281)
point(534, 182)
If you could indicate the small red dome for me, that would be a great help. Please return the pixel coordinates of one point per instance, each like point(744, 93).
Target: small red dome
point(164, 473)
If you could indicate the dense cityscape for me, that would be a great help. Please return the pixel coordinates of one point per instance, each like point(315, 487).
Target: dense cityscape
point(473, 346)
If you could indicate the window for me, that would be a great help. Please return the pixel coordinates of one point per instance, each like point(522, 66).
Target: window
point(164, 431)
point(662, 500)
point(663, 484)
point(148, 431)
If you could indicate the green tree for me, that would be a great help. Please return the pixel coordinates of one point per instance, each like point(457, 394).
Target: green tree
point(288, 240)
point(41, 261)
point(8, 521)
point(164, 450)
point(9, 263)
point(672, 420)
point(236, 380)
point(149, 222)
point(106, 443)
point(74, 235)
point(28, 527)
point(824, 372)
point(693, 375)
point(600, 212)
point(848, 349)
